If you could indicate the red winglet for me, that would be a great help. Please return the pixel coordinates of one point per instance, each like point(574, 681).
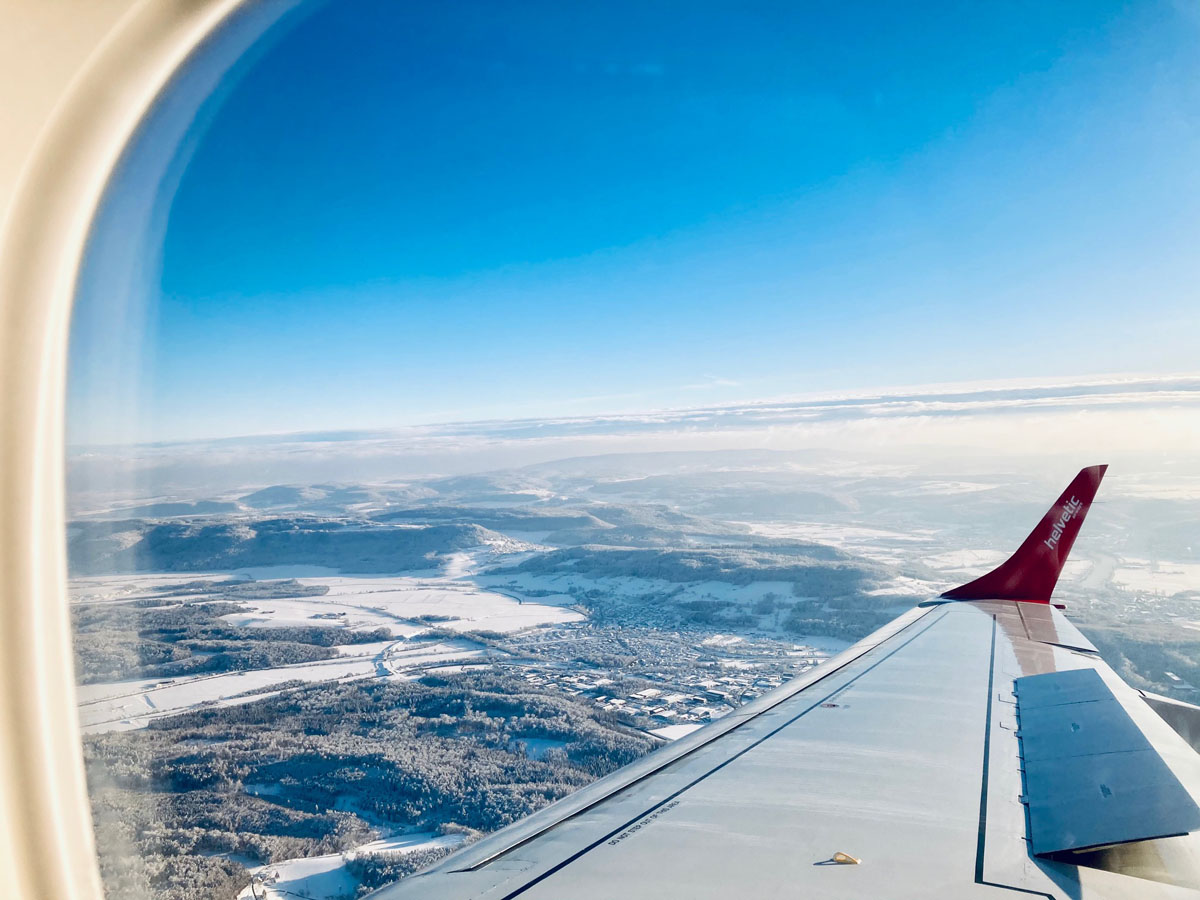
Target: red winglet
point(1031, 573)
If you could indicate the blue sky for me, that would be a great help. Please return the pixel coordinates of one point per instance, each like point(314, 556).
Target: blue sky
point(403, 213)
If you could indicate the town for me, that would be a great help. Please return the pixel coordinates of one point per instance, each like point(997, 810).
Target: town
point(664, 682)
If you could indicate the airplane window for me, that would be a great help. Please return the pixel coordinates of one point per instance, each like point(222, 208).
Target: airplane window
point(470, 402)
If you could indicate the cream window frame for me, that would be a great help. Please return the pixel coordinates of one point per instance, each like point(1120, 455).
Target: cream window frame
point(76, 79)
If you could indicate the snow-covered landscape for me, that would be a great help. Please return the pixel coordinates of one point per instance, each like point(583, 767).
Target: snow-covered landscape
point(650, 595)
point(397, 603)
point(326, 877)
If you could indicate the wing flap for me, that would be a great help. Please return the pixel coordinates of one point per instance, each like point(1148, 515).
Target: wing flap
point(1092, 778)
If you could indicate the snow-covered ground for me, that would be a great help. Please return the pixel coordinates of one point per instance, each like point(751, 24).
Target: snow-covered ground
point(119, 588)
point(722, 640)
point(119, 706)
point(869, 542)
point(973, 563)
point(326, 877)
point(968, 561)
point(944, 488)
point(1157, 577)
point(396, 602)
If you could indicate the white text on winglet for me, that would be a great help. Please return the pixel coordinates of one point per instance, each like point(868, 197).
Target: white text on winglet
point(1070, 511)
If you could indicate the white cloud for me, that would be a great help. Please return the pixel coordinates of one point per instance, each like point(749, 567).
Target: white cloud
point(1084, 421)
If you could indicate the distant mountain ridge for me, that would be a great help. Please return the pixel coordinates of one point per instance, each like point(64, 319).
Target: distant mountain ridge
point(519, 518)
point(194, 546)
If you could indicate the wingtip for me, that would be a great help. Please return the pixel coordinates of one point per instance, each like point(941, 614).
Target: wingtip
point(1031, 573)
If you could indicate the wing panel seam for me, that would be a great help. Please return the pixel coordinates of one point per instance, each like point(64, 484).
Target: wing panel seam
point(981, 846)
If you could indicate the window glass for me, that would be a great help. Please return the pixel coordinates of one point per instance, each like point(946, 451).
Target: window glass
point(468, 399)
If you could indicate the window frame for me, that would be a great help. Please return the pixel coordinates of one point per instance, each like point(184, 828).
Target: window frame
point(78, 79)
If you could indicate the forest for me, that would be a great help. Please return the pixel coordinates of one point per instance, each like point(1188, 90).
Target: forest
point(184, 806)
point(170, 635)
point(815, 570)
point(211, 544)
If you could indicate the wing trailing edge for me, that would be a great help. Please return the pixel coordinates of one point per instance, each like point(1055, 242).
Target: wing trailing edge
point(1030, 574)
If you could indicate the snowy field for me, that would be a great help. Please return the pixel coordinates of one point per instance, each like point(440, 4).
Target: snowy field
point(872, 543)
point(122, 705)
point(892, 548)
point(119, 706)
point(976, 562)
point(398, 603)
point(121, 588)
point(408, 606)
point(967, 561)
point(367, 601)
point(326, 877)
point(1156, 577)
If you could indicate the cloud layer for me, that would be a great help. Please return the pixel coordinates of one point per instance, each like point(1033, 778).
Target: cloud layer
point(1087, 420)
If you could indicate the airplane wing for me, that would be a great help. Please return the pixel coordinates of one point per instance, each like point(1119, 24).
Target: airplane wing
point(977, 746)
